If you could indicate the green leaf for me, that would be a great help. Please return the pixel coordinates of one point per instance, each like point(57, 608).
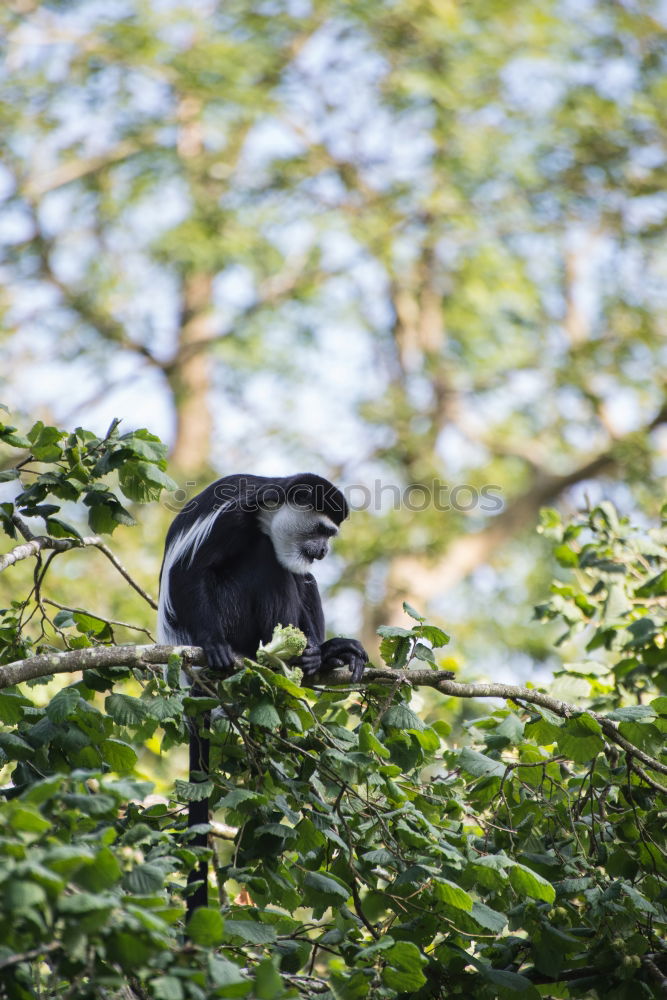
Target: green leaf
point(264, 714)
point(144, 879)
point(239, 796)
point(193, 791)
point(368, 741)
point(39, 509)
point(435, 635)
point(512, 728)
point(20, 895)
point(655, 587)
point(452, 894)
point(324, 889)
point(353, 986)
point(206, 927)
point(15, 747)
point(565, 556)
point(63, 704)
point(488, 918)
point(88, 624)
point(120, 756)
point(12, 707)
point(394, 632)
point(409, 610)
point(85, 902)
point(395, 652)
point(26, 820)
point(167, 988)
point(102, 874)
point(422, 652)
point(404, 969)
point(489, 872)
point(633, 713)
point(105, 513)
point(639, 902)
point(143, 482)
point(402, 717)
point(64, 619)
point(479, 765)
point(130, 951)
point(428, 740)
point(268, 983)
point(8, 436)
point(580, 738)
point(174, 666)
point(161, 709)
point(226, 973)
point(145, 445)
point(61, 529)
point(281, 830)
point(250, 931)
point(125, 710)
point(381, 857)
point(44, 442)
point(101, 520)
point(507, 980)
point(91, 805)
point(526, 882)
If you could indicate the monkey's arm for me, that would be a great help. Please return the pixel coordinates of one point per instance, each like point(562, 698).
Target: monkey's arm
point(311, 623)
point(197, 601)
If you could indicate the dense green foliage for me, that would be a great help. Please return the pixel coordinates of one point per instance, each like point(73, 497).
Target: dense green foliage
point(76, 471)
point(359, 849)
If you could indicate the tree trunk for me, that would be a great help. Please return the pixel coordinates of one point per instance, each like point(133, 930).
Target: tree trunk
point(190, 378)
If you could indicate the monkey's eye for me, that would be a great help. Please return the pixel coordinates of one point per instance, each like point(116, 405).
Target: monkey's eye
point(326, 530)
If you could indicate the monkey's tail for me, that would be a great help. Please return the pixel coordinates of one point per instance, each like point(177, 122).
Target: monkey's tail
point(198, 811)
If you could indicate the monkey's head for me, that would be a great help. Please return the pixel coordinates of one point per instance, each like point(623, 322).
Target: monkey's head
point(300, 514)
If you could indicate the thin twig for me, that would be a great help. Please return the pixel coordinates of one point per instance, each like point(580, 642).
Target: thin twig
point(109, 621)
point(27, 956)
point(99, 544)
point(35, 545)
point(655, 785)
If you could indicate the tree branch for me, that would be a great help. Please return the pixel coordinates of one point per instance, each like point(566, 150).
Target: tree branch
point(71, 661)
point(411, 577)
point(26, 956)
point(74, 170)
point(39, 542)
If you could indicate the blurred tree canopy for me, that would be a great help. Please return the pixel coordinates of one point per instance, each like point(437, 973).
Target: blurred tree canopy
point(404, 242)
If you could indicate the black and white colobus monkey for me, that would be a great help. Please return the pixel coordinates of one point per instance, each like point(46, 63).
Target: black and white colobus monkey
point(236, 564)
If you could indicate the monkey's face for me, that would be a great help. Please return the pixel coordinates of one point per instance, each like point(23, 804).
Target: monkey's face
point(300, 535)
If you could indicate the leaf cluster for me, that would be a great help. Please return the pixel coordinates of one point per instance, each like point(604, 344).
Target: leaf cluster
point(62, 481)
point(63, 467)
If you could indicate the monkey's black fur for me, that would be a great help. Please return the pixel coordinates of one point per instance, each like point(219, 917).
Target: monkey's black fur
point(235, 565)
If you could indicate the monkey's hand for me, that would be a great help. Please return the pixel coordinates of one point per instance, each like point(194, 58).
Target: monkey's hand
point(219, 654)
point(310, 660)
point(349, 653)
